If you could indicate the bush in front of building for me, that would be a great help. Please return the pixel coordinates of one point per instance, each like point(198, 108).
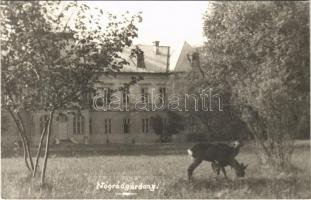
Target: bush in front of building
point(196, 137)
point(166, 127)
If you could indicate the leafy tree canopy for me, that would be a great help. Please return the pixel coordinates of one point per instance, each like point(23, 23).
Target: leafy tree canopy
point(260, 51)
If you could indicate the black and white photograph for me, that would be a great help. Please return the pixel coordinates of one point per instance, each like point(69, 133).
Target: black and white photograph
point(155, 100)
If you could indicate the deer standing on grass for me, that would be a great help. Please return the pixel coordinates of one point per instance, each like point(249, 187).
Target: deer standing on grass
point(221, 155)
point(216, 166)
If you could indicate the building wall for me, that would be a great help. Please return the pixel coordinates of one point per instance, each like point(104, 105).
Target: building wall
point(94, 127)
point(117, 134)
point(94, 121)
point(152, 81)
point(61, 129)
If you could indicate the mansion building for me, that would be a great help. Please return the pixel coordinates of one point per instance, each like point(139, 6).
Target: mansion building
point(157, 65)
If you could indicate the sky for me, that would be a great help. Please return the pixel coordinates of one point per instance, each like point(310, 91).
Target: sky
point(170, 22)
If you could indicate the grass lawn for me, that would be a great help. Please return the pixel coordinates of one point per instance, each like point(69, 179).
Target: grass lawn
point(155, 176)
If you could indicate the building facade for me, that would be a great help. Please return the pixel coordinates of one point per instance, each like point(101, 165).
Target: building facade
point(127, 119)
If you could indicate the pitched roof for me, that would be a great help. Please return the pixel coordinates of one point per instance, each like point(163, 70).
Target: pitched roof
point(153, 62)
point(179, 58)
point(168, 59)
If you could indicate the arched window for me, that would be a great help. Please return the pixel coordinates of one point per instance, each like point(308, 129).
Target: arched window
point(78, 125)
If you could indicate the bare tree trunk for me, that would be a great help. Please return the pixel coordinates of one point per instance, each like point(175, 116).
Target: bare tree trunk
point(21, 134)
point(39, 149)
point(26, 140)
point(47, 146)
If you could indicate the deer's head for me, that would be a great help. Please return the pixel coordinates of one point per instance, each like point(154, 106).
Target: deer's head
point(240, 170)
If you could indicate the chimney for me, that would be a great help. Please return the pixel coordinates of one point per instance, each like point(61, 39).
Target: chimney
point(195, 62)
point(156, 47)
point(140, 59)
point(168, 60)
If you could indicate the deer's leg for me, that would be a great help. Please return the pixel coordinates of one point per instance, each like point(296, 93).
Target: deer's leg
point(216, 167)
point(224, 171)
point(191, 168)
point(218, 170)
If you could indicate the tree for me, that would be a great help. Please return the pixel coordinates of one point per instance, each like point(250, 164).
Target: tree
point(168, 126)
point(220, 121)
point(175, 123)
point(158, 125)
point(57, 58)
point(261, 51)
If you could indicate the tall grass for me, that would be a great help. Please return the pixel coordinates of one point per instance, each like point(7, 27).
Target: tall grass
point(77, 177)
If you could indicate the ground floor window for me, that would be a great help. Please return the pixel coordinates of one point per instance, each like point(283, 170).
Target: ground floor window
point(145, 96)
point(43, 120)
point(107, 126)
point(126, 126)
point(78, 124)
point(126, 96)
point(145, 123)
point(162, 91)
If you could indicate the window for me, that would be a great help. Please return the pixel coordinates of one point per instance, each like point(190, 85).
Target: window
point(106, 94)
point(126, 126)
point(107, 126)
point(78, 125)
point(162, 91)
point(144, 95)
point(125, 96)
point(145, 125)
point(43, 120)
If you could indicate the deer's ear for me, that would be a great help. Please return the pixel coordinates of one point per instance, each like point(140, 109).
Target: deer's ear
point(243, 166)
